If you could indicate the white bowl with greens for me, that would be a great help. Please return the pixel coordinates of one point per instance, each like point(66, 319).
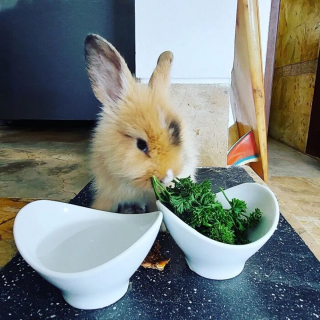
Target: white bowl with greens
point(241, 227)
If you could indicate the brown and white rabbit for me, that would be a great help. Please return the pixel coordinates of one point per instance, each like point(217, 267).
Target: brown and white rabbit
point(138, 134)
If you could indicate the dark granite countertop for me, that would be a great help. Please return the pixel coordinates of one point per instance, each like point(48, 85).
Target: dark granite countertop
point(281, 281)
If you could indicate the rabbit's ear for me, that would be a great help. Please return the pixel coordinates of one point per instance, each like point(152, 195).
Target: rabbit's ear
point(108, 72)
point(160, 79)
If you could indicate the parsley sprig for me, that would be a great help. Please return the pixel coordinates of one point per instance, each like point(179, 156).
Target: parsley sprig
point(197, 206)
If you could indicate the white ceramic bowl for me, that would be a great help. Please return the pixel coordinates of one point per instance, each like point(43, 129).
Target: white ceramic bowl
point(89, 255)
point(215, 260)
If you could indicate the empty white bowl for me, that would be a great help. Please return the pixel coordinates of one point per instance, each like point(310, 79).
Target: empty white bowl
point(89, 255)
point(215, 260)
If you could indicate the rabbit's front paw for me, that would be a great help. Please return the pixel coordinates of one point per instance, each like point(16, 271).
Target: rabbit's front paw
point(131, 208)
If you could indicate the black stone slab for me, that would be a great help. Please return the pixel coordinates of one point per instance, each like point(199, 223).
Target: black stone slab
point(281, 281)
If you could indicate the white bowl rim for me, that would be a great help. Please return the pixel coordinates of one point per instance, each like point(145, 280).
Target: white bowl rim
point(262, 240)
point(71, 275)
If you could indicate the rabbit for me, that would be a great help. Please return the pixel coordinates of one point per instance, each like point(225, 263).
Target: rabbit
point(138, 133)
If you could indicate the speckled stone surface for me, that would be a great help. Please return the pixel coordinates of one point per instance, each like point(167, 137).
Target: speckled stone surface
point(281, 281)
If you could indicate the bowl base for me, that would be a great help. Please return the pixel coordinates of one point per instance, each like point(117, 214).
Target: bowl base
point(92, 301)
point(215, 272)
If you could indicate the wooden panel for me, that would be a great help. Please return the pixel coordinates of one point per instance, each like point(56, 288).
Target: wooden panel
point(9, 207)
point(291, 108)
point(247, 86)
point(293, 13)
point(295, 67)
point(271, 53)
point(299, 32)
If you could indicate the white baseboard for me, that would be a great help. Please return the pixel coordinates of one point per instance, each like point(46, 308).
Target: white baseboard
point(222, 81)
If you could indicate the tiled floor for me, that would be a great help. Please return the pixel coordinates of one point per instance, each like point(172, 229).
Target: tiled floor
point(47, 163)
point(54, 164)
point(38, 164)
point(295, 179)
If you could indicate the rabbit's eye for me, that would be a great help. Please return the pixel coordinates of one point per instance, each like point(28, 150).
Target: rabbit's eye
point(142, 145)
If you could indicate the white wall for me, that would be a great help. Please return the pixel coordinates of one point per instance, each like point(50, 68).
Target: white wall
point(264, 14)
point(199, 33)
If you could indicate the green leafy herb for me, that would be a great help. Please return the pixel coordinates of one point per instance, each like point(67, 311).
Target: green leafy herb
point(197, 206)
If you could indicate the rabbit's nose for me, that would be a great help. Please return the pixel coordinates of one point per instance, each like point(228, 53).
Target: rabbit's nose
point(168, 178)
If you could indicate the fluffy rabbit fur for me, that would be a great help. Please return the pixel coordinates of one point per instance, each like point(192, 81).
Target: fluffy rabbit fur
point(138, 134)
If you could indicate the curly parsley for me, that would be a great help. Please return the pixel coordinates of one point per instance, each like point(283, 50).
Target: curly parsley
point(197, 206)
